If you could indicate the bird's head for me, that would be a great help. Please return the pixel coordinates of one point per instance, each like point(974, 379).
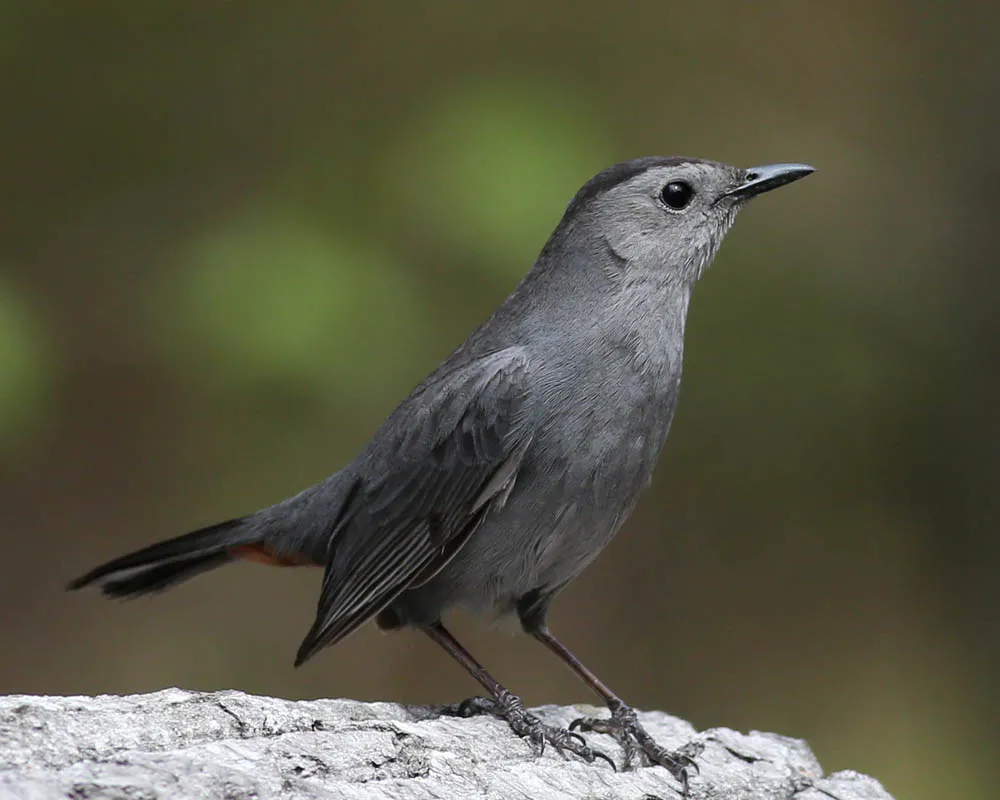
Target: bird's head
point(667, 214)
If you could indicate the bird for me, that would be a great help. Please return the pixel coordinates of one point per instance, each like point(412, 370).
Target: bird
point(507, 470)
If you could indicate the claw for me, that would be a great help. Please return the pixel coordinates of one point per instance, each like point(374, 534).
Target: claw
point(624, 727)
point(576, 737)
point(526, 725)
point(606, 757)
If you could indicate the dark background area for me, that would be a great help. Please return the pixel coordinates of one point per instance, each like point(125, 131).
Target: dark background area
point(234, 235)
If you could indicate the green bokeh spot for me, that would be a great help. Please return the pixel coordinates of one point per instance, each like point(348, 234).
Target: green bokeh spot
point(490, 168)
point(25, 368)
point(273, 299)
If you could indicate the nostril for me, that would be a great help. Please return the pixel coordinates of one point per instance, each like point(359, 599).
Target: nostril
point(751, 176)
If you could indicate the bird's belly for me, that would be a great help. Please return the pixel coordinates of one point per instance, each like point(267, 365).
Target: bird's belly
point(556, 520)
point(580, 479)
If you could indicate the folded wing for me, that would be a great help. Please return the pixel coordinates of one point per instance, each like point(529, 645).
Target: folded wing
point(442, 461)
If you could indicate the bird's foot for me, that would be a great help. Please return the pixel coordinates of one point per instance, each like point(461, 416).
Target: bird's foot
point(509, 708)
point(625, 728)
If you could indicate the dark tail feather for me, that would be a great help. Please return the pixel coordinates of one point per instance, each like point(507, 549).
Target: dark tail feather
point(164, 564)
point(158, 578)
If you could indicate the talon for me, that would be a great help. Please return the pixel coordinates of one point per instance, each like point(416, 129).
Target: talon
point(587, 724)
point(690, 752)
point(638, 746)
point(576, 737)
point(606, 757)
point(508, 707)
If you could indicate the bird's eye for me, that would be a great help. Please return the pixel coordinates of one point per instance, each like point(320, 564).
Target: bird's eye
point(676, 195)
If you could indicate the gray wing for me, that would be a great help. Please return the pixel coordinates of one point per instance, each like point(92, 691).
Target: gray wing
point(437, 466)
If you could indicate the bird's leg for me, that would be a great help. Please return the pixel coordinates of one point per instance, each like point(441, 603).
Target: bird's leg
point(508, 706)
point(623, 725)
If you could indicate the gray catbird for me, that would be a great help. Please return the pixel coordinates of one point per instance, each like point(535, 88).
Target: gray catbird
point(509, 468)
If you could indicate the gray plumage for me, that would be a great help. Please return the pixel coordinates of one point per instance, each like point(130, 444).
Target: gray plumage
point(513, 464)
point(506, 471)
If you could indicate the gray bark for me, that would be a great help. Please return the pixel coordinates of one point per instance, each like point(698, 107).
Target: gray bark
point(178, 744)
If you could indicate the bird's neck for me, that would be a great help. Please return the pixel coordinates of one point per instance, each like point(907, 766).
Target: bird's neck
point(645, 323)
point(581, 297)
point(629, 316)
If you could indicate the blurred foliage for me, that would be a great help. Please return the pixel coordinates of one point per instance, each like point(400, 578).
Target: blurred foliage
point(270, 297)
point(234, 235)
point(25, 369)
point(488, 168)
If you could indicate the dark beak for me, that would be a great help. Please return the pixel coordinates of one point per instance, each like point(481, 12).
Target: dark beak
point(758, 180)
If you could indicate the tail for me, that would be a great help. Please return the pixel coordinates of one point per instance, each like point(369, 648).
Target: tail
point(294, 533)
point(170, 562)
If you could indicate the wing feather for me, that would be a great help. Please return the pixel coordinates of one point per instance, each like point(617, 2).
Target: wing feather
point(429, 477)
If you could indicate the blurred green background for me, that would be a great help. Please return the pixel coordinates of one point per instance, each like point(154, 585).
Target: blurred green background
point(234, 235)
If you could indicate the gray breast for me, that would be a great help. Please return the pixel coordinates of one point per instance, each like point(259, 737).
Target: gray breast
point(600, 413)
point(589, 461)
